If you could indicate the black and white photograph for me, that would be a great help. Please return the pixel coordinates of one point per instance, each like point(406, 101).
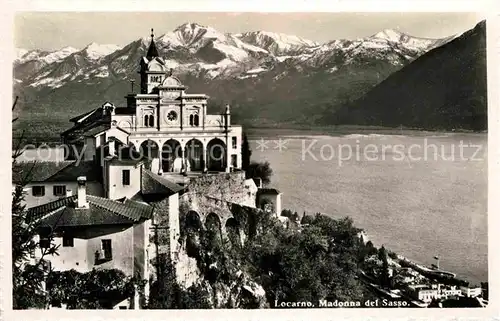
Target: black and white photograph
point(249, 160)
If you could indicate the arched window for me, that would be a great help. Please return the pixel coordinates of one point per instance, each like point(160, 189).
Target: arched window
point(191, 120)
point(146, 121)
point(196, 120)
point(151, 121)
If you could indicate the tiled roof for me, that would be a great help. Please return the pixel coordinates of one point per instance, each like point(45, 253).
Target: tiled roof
point(94, 130)
point(101, 211)
point(130, 209)
point(87, 128)
point(77, 118)
point(41, 210)
point(70, 216)
point(65, 171)
point(90, 169)
point(36, 171)
point(156, 184)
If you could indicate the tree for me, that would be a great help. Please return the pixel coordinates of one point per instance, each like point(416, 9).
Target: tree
point(97, 289)
point(28, 273)
point(246, 153)
point(260, 170)
point(306, 266)
point(384, 276)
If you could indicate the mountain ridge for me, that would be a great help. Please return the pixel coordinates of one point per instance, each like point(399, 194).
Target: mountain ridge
point(449, 89)
point(279, 83)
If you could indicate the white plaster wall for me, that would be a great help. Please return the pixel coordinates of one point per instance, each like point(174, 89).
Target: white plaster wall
point(122, 243)
point(236, 131)
point(93, 188)
point(128, 249)
point(115, 132)
point(89, 148)
point(116, 189)
point(141, 245)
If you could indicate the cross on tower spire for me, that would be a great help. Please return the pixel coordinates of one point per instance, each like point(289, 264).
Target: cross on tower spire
point(152, 51)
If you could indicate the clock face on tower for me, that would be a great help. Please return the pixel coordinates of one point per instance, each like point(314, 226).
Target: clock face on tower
point(171, 116)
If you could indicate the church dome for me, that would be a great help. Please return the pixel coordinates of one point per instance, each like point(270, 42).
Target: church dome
point(171, 81)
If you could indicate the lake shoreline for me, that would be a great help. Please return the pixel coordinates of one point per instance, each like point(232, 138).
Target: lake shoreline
point(282, 130)
point(342, 130)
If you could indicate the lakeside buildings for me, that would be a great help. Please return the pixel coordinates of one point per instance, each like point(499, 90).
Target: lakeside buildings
point(135, 171)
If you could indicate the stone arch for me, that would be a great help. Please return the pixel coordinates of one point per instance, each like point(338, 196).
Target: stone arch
point(194, 120)
point(212, 222)
point(148, 116)
point(213, 228)
point(194, 155)
point(171, 156)
point(216, 155)
point(150, 151)
point(125, 124)
point(192, 229)
point(233, 231)
point(192, 221)
point(149, 120)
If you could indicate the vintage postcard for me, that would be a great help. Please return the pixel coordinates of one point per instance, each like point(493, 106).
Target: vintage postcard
point(290, 161)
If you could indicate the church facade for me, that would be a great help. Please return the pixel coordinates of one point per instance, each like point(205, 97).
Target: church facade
point(164, 123)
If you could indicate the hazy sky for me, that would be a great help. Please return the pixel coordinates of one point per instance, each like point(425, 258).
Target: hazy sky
point(50, 31)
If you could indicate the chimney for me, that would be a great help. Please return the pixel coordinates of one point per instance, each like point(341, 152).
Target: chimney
point(82, 192)
point(69, 193)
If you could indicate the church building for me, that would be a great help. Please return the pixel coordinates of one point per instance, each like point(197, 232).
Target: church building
point(164, 123)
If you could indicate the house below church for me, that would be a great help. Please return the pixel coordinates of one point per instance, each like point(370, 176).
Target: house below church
point(46, 181)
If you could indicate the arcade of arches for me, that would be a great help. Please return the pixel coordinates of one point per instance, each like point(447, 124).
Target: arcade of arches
point(194, 228)
point(194, 156)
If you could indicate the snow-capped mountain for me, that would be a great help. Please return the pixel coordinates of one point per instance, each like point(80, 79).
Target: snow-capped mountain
point(415, 43)
point(46, 57)
point(278, 44)
point(203, 51)
point(95, 51)
point(248, 68)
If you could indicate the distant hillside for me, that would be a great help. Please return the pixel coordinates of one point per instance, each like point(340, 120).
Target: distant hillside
point(442, 89)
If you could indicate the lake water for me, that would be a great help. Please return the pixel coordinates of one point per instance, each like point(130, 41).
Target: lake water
point(421, 195)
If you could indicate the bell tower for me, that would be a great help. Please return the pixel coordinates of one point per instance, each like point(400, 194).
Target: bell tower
point(152, 68)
